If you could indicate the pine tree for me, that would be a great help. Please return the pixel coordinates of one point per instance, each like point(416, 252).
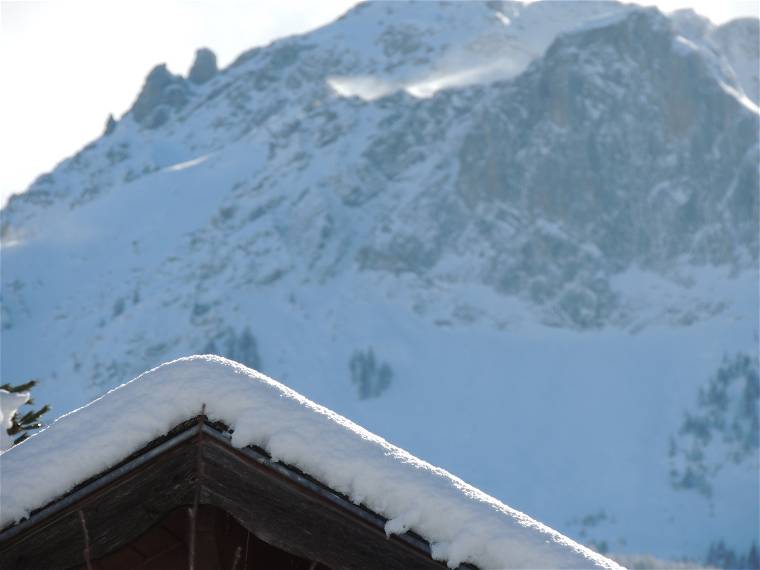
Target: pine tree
point(370, 379)
point(246, 350)
point(22, 424)
point(753, 559)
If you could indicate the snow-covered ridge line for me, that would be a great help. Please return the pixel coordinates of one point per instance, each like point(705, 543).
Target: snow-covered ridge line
point(462, 523)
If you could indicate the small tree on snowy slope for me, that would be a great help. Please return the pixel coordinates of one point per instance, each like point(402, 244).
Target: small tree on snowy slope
point(19, 425)
point(753, 558)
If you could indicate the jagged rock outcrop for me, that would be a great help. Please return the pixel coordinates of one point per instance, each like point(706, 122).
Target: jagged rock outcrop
point(110, 125)
point(161, 94)
point(204, 67)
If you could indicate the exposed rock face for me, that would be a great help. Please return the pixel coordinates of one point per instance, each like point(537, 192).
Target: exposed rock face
point(161, 94)
point(632, 115)
point(110, 125)
point(204, 67)
point(618, 148)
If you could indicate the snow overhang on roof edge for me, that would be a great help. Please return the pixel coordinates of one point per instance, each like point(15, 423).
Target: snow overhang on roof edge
point(461, 523)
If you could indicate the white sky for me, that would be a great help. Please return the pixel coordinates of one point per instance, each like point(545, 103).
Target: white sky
point(66, 64)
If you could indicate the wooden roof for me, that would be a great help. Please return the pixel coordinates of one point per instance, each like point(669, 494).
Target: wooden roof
point(196, 464)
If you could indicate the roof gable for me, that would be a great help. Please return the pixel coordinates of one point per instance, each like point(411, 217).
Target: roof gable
point(461, 523)
point(275, 502)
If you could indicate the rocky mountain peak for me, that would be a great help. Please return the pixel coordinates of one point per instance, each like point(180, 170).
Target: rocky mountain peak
point(162, 93)
point(204, 67)
point(110, 125)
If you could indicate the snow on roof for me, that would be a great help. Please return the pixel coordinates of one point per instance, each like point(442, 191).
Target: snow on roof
point(461, 523)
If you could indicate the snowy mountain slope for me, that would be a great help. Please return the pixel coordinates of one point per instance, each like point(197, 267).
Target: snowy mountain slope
point(548, 258)
point(740, 41)
point(736, 43)
point(459, 45)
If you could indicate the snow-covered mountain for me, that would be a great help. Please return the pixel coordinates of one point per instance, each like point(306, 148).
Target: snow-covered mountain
point(518, 240)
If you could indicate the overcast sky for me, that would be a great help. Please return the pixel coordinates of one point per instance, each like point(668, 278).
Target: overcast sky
point(66, 64)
